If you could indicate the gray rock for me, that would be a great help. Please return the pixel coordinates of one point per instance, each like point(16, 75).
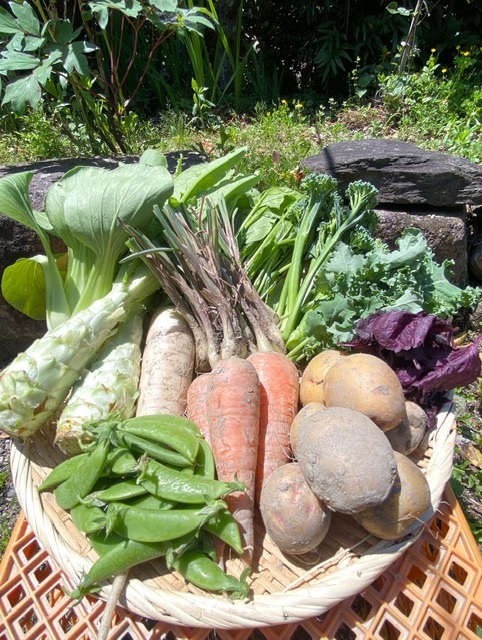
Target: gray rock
point(16, 241)
point(18, 331)
point(402, 172)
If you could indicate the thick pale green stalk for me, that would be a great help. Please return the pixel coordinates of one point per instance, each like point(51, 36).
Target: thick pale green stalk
point(109, 386)
point(36, 383)
point(356, 214)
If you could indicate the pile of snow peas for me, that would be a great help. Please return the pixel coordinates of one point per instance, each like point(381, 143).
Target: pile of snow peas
point(145, 488)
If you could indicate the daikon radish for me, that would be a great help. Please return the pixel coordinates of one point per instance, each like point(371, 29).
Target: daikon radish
point(167, 365)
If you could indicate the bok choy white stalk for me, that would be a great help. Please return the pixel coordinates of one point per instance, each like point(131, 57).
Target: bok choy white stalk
point(109, 386)
point(38, 380)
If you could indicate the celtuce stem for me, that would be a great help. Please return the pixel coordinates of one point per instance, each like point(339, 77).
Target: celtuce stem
point(38, 380)
point(110, 386)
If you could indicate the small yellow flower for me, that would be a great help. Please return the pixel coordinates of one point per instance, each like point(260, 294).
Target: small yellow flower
point(444, 70)
point(268, 113)
point(283, 101)
point(433, 50)
point(466, 53)
point(299, 105)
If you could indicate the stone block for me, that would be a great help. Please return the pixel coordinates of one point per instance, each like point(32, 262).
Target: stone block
point(402, 172)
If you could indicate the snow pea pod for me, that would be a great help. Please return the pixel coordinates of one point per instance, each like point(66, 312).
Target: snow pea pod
point(171, 484)
point(165, 420)
point(118, 491)
point(62, 472)
point(121, 462)
point(102, 542)
point(164, 431)
point(121, 557)
point(205, 465)
point(200, 569)
point(88, 518)
point(148, 501)
point(77, 486)
point(225, 527)
point(147, 525)
point(153, 449)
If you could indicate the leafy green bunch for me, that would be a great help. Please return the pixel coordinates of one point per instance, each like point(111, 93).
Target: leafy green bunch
point(314, 258)
point(354, 285)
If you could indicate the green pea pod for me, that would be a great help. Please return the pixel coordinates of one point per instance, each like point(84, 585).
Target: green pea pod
point(205, 465)
point(121, 462)
point(88, 519)
point(197, 567)
point(164, 430)
point(171, 484)
point(149, 501)
point(121, 557)
point(63, 472)
point(102, 542)
point(147, 525)
point(76, 487)
point(165, 420)
point(225, 527)
point(118, 491)
point(152, 449)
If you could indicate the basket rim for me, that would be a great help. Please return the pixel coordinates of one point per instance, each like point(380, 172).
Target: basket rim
point(212, 611)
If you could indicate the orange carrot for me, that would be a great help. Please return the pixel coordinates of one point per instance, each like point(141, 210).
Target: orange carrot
point(196, 409)
point(233, 414)
point(279, 397)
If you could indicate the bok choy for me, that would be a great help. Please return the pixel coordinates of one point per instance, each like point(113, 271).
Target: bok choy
point(85, 208)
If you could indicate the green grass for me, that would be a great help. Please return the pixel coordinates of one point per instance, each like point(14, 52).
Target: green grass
point(467, 473)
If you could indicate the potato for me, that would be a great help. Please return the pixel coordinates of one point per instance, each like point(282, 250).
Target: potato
point(294, 518)
point(408, 500)
point(346, 459)
point(367, 384)
point(307, 410)
point(408, 435)
point(311, 384)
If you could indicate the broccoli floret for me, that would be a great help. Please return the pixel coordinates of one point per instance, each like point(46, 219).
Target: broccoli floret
point(361, 194)
point(316, 184)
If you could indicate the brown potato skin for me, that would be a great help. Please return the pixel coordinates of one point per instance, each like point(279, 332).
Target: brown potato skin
point(408, 500)
point(294, 518)
point(408, 435)
point(304, 412)
point(367, 384)
point(311, 384)
point(346, 459)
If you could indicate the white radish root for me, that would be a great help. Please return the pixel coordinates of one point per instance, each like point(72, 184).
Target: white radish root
point(167, 365)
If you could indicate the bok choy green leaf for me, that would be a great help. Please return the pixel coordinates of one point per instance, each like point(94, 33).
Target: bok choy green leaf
point(86, 209)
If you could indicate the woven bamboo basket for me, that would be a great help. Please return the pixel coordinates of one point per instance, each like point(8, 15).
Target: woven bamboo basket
point(283, 589)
